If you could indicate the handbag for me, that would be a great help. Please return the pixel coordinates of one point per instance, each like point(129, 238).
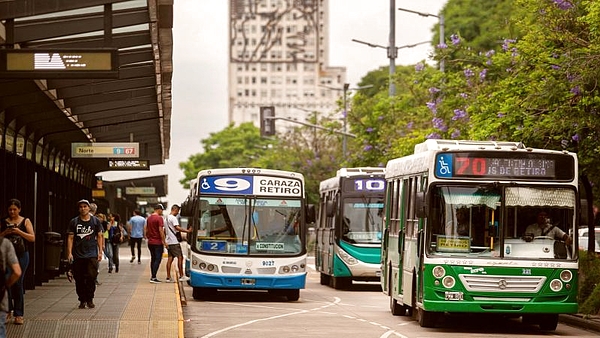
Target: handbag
point(18, 243)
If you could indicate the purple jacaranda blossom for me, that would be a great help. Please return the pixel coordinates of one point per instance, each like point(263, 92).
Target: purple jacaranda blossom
point(434, 90)
point(433, 136)
point(468, 72)
point(368, 147)
point(380, 118)
point(438, 123)
point(309, 163)
point(555, 67)
point(576, 90)
point(369, 130)
point(488, 62)
point(500, 115)
point(442, 45)
point(464, 95)
point(575, 137)
point(459, 114)
point(490, 53)
point(432, 107)
point(482, 74)
point(455, 133)
point(455, 39)
point(344, 113)
point(409, 125)
point(506, 44)
point(419, 67)
point(563, 4)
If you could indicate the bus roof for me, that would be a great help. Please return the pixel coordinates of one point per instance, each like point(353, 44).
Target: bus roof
point(250, 171)
point(466, 145)
point(334, 182)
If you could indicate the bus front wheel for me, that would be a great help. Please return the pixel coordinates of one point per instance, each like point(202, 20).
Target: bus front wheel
point(340, 283)
point(426, 318)
point(293, 295)
point(548, 322)
point(325, 279)
point(202, 293)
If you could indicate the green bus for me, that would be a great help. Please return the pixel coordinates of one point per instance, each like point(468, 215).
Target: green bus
point(481, 227)
point(349, 227)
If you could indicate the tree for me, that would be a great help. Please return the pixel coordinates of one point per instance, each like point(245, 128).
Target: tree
point(239, 146)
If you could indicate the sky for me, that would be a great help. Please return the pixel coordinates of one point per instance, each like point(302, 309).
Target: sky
point(200, 55)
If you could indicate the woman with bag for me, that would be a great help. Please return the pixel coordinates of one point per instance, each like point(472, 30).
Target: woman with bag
point(115, 238)
point(19, 231)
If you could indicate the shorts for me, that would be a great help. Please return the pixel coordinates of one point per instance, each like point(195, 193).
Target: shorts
point(174, 250)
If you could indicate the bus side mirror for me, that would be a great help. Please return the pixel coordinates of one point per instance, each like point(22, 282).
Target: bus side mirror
point(330, 208)
point(420, 206)
point(311, 213)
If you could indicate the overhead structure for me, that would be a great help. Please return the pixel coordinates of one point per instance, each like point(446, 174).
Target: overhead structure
point(42, 115)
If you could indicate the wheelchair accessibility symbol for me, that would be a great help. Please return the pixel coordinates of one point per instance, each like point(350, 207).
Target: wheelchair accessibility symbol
point(444, 165)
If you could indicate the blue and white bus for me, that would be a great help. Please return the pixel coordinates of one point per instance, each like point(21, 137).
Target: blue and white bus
point(350, 225)
point(249, 231)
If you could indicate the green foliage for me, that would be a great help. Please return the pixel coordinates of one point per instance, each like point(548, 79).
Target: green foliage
point(589, 283)
point(234, 147)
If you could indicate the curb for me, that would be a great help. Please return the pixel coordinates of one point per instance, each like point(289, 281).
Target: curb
point(582, 321)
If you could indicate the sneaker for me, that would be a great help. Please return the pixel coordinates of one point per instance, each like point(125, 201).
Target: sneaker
point(109, 270)
point(169, 280)
point(8, 318)
point(154, 280)
point(132, 259)
point(91, 305)
point(139, 262)
point(116, 269)
point(184, 278)
point(82, 305)
point(18, 320)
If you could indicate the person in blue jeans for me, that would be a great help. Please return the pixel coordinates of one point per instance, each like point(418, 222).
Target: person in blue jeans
point(155, 233)
point(135, 227)
point(19, 230)
point(10, 263)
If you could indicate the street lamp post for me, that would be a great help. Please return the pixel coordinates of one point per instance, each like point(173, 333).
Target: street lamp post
point(441, 21)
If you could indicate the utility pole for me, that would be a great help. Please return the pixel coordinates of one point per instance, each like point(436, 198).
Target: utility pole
point(392, 51)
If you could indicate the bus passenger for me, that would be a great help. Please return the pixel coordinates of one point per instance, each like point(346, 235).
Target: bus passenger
point(543, 227)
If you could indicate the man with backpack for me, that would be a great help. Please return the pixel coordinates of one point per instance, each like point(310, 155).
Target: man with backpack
point(8, 259)
point(84, 249)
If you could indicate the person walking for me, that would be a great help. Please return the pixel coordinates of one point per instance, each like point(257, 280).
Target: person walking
point(108, 252)
point(93, 210)
point(136, 226)
point(84, 249)
point(19, 230)
point(155, 234)
point(174, 248)
point(8, 262)
point(115, 238)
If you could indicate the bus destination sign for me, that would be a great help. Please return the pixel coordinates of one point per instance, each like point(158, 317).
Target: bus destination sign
point(510, 166)
point(364, 184)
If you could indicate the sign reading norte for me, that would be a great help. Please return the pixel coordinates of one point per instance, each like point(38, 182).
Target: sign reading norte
point(105, 150)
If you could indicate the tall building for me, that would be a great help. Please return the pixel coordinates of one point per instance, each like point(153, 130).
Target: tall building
point(279, 56)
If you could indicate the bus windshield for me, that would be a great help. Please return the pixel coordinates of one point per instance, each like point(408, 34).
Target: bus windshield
point(250, 226)
point(495, 221)
point(362, 220)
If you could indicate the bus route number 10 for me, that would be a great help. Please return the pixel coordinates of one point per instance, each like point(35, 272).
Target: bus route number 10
point(370, 185)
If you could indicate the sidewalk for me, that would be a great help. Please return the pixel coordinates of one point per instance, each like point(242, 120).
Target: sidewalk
point(127, 305)
point(582, 321)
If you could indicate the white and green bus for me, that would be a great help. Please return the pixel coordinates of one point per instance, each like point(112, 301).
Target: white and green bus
point(349, 226)
point(481, 227)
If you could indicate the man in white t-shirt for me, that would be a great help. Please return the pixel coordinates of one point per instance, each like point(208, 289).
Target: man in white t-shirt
point(173, 247)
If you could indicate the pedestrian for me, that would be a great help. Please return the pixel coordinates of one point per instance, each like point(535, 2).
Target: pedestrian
point(115, 238)
point(136, 226)
point(174, 248)
point(108, 252)
point(19, 230)
point(93, 210)
point(8, 262)
point(155, 234)
point(84, 250)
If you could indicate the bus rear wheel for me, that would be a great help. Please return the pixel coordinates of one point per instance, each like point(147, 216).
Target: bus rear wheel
point(397, 309)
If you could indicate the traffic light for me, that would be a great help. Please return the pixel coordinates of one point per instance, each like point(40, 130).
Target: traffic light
point(267, 121)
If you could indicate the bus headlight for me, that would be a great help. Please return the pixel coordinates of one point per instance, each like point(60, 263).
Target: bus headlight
point(556, 285)
point(439, 272)
point(295, 268)
point(448, 282)
point(566, 276)
point(285, 269)
point(344, 256)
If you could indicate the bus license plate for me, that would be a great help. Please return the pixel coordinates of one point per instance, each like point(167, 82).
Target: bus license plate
point(248, 281)
point(454, 296)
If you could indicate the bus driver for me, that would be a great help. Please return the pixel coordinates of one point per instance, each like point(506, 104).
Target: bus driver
point(543, 227)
